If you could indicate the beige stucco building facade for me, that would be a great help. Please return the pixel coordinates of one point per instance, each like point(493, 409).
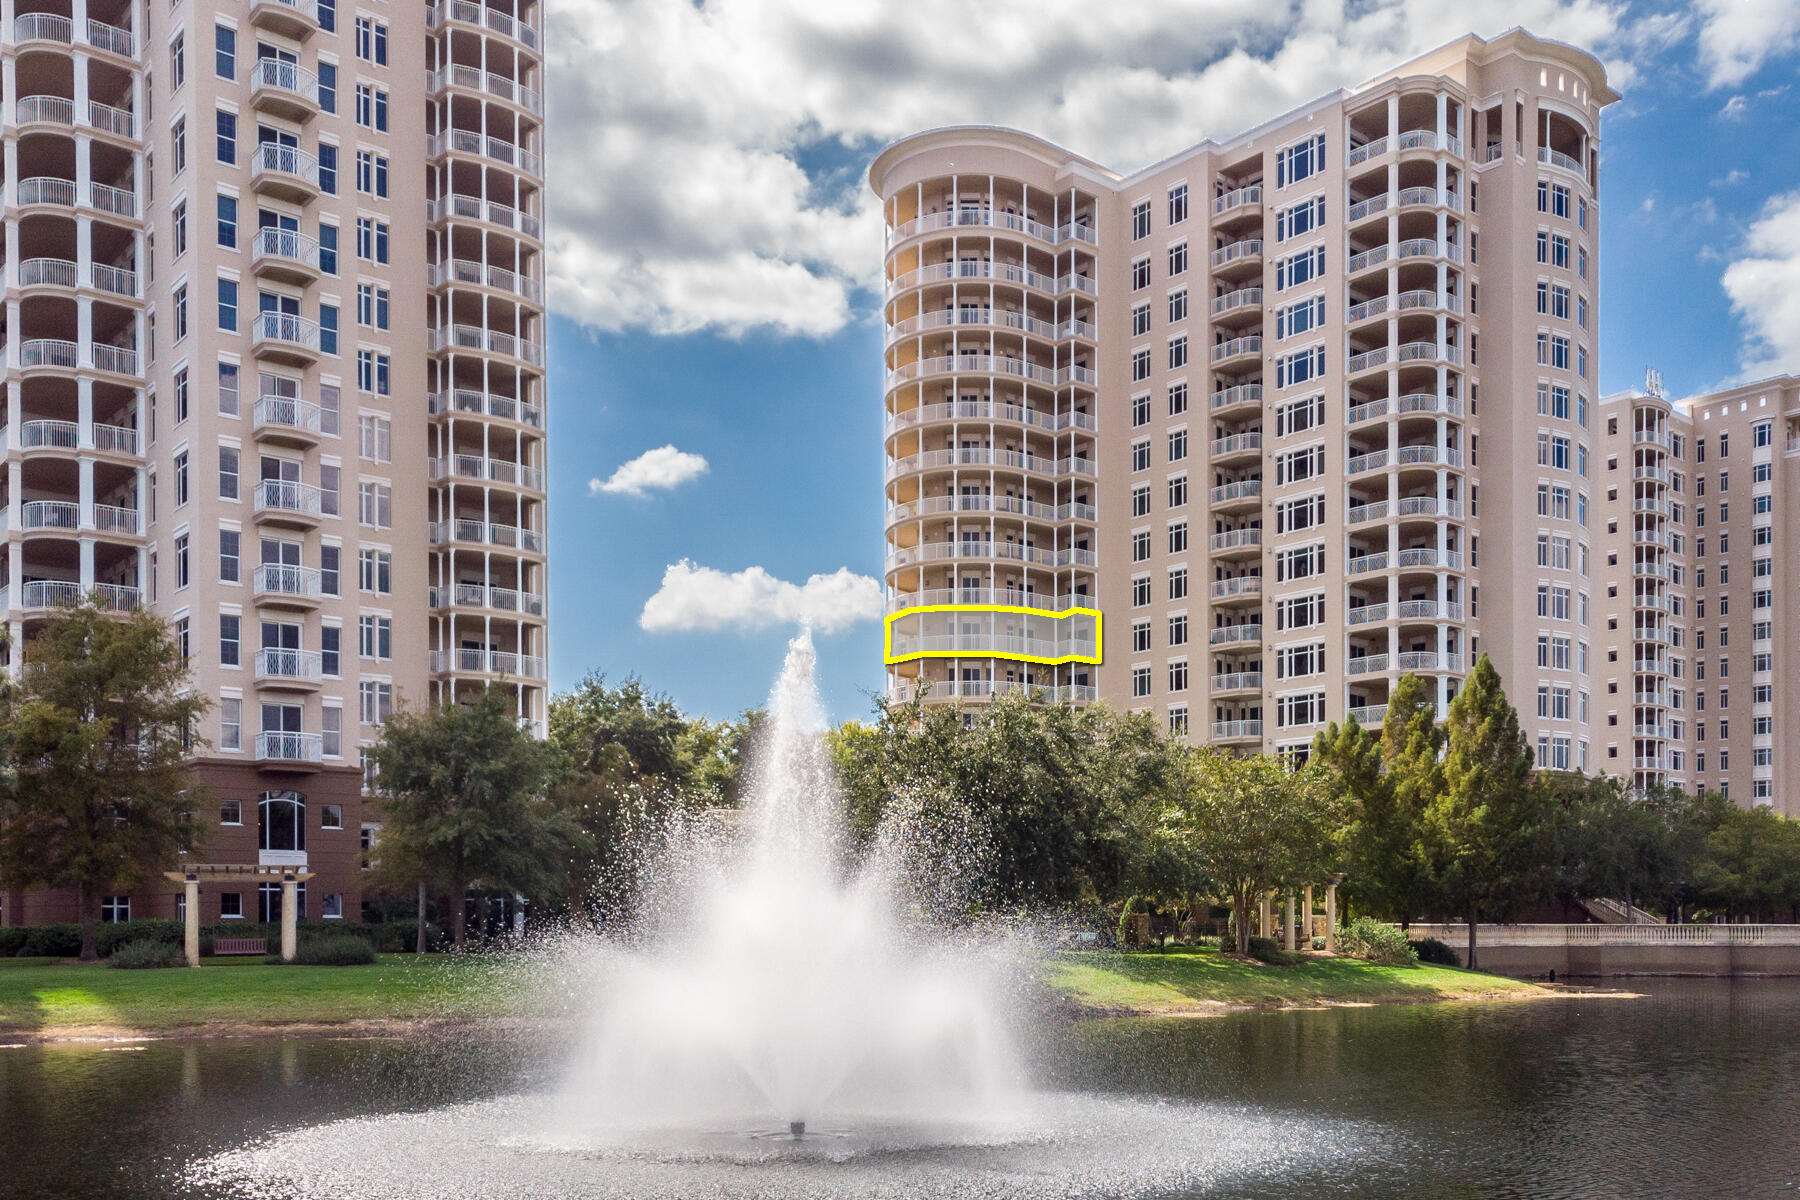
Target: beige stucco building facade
point(275, 368)
point(1296, 412)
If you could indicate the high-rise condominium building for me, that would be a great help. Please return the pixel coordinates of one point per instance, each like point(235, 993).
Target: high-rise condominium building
point(1245, 436)
point(274, 367)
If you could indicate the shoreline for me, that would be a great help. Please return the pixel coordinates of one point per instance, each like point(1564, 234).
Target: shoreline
point(1202, 1009)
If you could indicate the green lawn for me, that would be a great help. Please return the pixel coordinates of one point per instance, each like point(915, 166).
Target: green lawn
point(39, 994)
point(1188, 978)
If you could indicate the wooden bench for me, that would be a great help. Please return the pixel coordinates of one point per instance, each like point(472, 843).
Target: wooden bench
point(223, 946)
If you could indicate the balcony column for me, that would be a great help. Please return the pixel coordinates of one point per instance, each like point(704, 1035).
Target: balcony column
point(9, 172)
point(87, 553)
point(84, 251)
point(80, 64)
point(78, 15)
point(13, 417)
point(84, 327)
point(84, 418)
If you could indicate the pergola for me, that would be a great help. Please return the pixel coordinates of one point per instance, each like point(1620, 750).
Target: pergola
point(290, 879)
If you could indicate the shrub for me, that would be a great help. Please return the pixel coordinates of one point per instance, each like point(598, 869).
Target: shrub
point(1376, 942)
point(109, 937)
point(333, 950)
point(1318, 943)
point(144, 953)
point(12, 939)
point(51, 941)
point(1432, 950)
point(1262, 949)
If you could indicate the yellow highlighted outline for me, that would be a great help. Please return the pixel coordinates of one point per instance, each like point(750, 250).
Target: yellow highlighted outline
point(887, 640)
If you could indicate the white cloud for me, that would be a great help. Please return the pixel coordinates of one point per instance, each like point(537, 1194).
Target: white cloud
point(654, 470)
point(1764, 285)
point(693, 598)
point(1734, 109)
point(1738, 36)
point(686, 138)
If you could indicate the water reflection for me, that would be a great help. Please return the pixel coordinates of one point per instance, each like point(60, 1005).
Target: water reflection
point(1686, 1093)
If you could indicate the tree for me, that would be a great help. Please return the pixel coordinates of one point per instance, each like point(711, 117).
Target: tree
point(1489, 835)
point(1254, 823)
point(1751, 864)
point(462, 791)
point(97, 786)
point(627, 728)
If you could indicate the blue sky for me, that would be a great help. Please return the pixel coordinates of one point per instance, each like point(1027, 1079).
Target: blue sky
point(712, 251)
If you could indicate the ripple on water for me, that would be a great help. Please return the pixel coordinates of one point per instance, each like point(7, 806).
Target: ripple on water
point(1060, 1147)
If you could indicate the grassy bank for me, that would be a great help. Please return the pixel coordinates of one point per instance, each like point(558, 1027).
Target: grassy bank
point(41, 998)
point(1197, 980)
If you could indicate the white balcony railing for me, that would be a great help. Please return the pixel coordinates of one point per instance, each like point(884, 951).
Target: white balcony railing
point(288, 412)
point(275, 746)
point(285, 245)
point(496, 470)
point(487, 662)
point(285, 579)
point(274, 662)
point(271, 159)
point(476, 402)
point(289, 496)
point(273, 74)
point(285, 330)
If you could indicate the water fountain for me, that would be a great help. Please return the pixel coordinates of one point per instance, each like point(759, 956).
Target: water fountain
point(787, 1020)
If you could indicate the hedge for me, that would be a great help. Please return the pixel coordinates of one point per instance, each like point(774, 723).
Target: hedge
point(64, 941)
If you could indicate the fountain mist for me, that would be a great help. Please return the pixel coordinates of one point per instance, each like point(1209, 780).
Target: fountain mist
point(778, 985)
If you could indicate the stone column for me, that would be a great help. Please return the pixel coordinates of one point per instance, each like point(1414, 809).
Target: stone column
point(1265, 919)
point(1288, 909)
point(290, 902)
point(1306, 924)
point(1331, 914)
point(192, 943)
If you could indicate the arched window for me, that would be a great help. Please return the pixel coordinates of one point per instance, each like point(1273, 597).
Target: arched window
point(281, 821)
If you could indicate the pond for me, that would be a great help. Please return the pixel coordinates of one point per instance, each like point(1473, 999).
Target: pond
point(1689, 1091)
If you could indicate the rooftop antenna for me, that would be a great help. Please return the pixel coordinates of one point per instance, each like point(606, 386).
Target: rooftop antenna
point(1653, 382)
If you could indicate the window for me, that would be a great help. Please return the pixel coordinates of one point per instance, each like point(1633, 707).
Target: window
point(1178, 305)
point(1178, 204)
point(1140, 455)
point(1299, 367)
point(331, 650)
point(1140, 274)
point(115, 909)
point(377, 701)
point(1140, 410)
point(375, 505)
point(328, 89)
point(224, 52)
point(328, 159)
point(1304, 217)
point(372, 107)
point(328, 329)
point(329, 557)
point(1299, 416)
point(1298, 318)
point(1178, 720)
point(371, 239)
point(371, 40)
point(1300, 268)
point(178, 146)
point(230, 555)
point(1297, 466)
point(228, 220)
point(1300, 612)
point(231, 812)
point(228, 306)
point(181, 478)
point(1307, 512)
point(1140, 591)
point(1177, 399)
point(183, 575)
point(1178, 491)
point(1178, 537)
point(331, 905)
point(177, 61)
point(178, 227)
point(183, 642)
point(231, 737)
point(1140, 545)
point(1140, 319)
point(181, 385)
point(1140, 637)
point(1178, 675)
point(1300, 562)
point(1297, 662)
point(1140, 220)
point(227, 127)
point(1140, 681)
point(1178, 444)
point(375, 438)
point(228, 389)
point(331, 737)
point(1140, 500)
point(328, 250)
point(230, 640)
point(373, 372)
point(1178, 583)
point(181, 314)
point(1178, 352)
point(1300, 161)
point(231, 906)
point(1178, 629)
point(1306, 708)
point(371, 173)
point(1178, 258)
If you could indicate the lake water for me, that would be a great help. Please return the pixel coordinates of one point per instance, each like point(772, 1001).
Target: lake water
point(1693, 1091)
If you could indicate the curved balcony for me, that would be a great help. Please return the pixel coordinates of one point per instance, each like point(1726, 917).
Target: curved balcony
point(1428, 610)
point(50, 516)
point(487, 662)
point(57, 273)
point(1428, 248)
point(1428, 139)
point(1236, 257)
point(1366, 664)
point(285, 89)
point(492, 212)
point(1428, 660)
point(475, 402)
point(1362, 514)
point(972, 216)
point(483, 596)
point(1237, 445)
point(486, 533)
point(1366, 614)
point(1561, 161)
point(475, 338)
point(287, 419)
point(1245, 493)
point(1428, 456)
point(1429, 507)
point(286, 585)
point(935, 506)
point(989, 318)
point(1236, 543)
point(1044, 637)
point(49, 435)
point(1367, 360)
point(471, 12)
point(44, 110)
point(1362, 564)
point(486, 470)
point(1238, 397)
point(1428, 352)
point(1246, 589)
point(987, 410)
point(287, 172)
point(46, 190)
point(471, 142)
point(990, 364)
point(285, 254)
point(111, 39)
point(280, 668)
point(1245, 301)
point(285, 336)
point(478, 274)
point(473, 79)
point(273, 748)
point(39, 595)
point(283, 501)
point(988, 549)
point(1008, 460)
point(984, 689)
point(1237, 351)
point(1428, 404)
point(1236, 682)
point(999, 272)
point(1428, 558)
point(42, 27)
point(295, 18)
